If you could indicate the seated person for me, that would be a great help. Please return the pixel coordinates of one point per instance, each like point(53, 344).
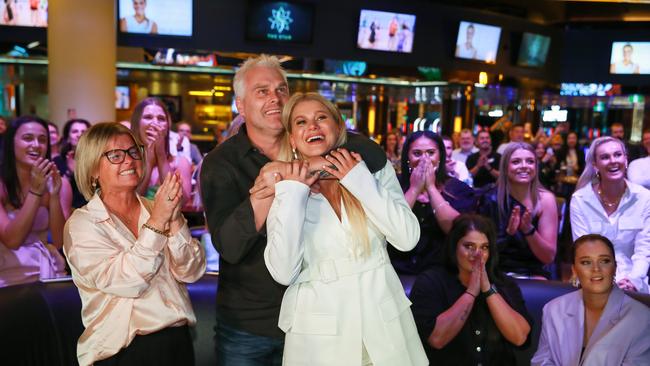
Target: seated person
point(598, 324)
point(34, 200)
point(466, 311)
point(435, 198)
point(526, 215)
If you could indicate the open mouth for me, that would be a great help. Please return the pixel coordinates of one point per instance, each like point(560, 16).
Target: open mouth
point(315, 138)
point(272, 112)
point(597, 279)
point(34, 154)
point(614, 169)
point(127, 172)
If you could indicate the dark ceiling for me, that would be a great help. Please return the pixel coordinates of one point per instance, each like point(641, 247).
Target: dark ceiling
point(564, 13)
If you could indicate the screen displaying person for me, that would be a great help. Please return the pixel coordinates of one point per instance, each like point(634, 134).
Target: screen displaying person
point(626, 65)
point(138, 22)
point(467, 49)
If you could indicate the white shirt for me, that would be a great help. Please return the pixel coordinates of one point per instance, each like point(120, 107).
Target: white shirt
point(620, 337)
point(173, 143)
point(638, 171)
point(628, 228)
point(132, 25)
point(339, 302)
point(460, 155)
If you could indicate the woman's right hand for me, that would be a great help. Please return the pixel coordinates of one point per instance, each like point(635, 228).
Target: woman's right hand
point(474, 285)
point(514, 221)
point(298, 170)
point(165, 202)
point(418, 179)
point(41, 171)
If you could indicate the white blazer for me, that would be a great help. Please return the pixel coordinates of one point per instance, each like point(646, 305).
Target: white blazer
point(339, 301)
point(621, 336)
point(628, 228)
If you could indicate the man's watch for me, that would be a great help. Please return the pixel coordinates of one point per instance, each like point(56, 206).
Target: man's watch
point(491, 291)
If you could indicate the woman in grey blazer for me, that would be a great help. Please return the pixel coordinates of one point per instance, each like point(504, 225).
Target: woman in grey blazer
point(598, 324)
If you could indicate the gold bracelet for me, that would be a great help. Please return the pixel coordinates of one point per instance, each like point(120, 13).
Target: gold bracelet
point(157, 231)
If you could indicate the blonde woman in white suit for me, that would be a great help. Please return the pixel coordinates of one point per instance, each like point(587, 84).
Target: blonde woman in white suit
point(345, 304)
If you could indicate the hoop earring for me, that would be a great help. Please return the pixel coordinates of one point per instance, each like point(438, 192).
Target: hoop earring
point(294, 153)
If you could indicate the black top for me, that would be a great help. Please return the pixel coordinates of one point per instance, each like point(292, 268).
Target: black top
point(483, 177)
point(248, 298)
point(514, 252)
point(78, 199)
point(479, 341)
point(428, 250)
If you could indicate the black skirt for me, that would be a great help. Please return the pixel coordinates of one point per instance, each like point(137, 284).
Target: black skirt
point(168, 347)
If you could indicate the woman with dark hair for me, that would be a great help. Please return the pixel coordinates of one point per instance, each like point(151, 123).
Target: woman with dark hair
point(65, 161)
point(570, 163)
point(466, 311)
point(150, 122)
point(606, 202)
point(393, 150)
point(435, 198)
point(33, 200)
point(597, 324)
point(526, 215)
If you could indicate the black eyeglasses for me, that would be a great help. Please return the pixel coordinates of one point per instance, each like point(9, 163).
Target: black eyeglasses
point(117, 156)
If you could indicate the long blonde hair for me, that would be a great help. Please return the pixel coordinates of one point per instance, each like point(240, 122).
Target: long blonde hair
point(503, 184)
point(590, 172)
point(356, 214)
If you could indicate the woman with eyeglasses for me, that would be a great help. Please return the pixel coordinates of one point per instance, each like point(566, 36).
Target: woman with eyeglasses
point(130, 257)
point(150, 122)
point(34, 200)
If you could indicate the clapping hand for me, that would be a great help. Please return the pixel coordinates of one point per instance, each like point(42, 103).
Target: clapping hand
point(41, 171)
point(167, 202)
point(626, 285)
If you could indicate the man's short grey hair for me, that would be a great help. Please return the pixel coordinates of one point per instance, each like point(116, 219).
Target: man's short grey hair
point(263, 60)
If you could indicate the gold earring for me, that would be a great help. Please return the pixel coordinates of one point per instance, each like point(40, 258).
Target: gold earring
point(575, 282)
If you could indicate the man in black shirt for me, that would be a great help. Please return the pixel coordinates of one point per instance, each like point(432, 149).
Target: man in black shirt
point(248, 300)
point(483, 165)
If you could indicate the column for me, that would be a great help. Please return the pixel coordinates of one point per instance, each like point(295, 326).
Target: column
point(82, 48)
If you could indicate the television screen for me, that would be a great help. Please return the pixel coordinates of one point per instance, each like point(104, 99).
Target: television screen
point(478, 42)
point(172, 56)
point(533, 50)
point(589, 90)
point(24, 13)
point(164, 17)
point(122, 97)
point(384, 31)
point(630, 58)
point(279, 21)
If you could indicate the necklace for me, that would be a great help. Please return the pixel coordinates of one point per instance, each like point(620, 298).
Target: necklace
point(607, 204)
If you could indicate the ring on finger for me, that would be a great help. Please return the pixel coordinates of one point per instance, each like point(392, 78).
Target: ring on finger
point(169, 198)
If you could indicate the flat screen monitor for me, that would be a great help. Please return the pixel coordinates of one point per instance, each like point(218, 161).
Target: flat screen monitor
point(533, 50)
point(24, 13)
point(478, 42)
point(163, 17)
point(122, 97)
point(386, 31)
point(279, 21)
point(630, 58)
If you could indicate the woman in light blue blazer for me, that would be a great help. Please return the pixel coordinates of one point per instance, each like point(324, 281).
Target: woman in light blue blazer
point(598, 324)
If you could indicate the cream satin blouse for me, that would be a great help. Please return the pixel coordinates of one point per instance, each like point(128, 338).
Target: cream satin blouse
point(128, 286)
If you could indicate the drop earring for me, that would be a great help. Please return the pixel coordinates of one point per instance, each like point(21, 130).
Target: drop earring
point(295, 153)
point(575, 282)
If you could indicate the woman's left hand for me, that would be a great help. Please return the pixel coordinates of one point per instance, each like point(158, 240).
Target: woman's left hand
point(626, 285)
point(430, 171)
point(485, 281)
point(343, 160)
point(54, 183)
point(526, 222)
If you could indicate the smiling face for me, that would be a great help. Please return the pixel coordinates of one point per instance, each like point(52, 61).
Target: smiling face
point(594, 266)
point(610, 161)
point(265, 93)
point(391, 141)
point(423, 148)
point(618, 132)
point(484, 140)
point(30, 143)
point(521, 167)
point(139, 6)
point(152, 115)
point(54, 135)
point(466, 141)
point(449, 148)
point(314, 131)
point(76, 130)
point(470, 248)
point(123, 176)
point(540, 150)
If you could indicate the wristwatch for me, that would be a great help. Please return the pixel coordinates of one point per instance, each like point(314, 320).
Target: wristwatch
point(491, 291)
